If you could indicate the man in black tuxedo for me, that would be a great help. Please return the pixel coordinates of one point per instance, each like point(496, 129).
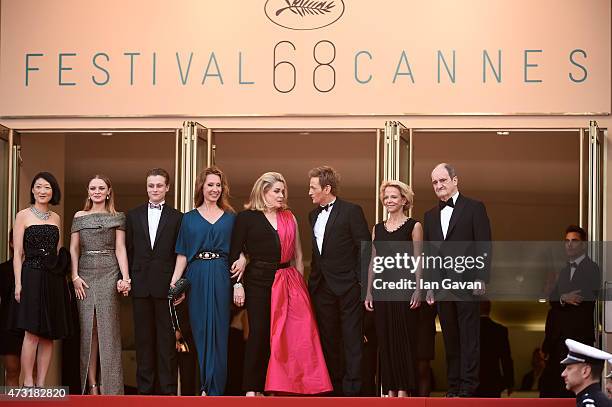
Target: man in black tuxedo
point(152, 230)
point(496, 365)
point(338, 228)
point(458, 227)
point(571, 313)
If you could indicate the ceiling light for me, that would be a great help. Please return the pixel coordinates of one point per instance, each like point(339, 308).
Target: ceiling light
point(107, 134)
point(503, 133)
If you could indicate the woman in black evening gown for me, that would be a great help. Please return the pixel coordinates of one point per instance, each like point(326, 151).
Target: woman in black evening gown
point(254, 235)
point(396, 312)
point(44, 303)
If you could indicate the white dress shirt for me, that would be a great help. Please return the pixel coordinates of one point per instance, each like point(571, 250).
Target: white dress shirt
point(577, 261)
point(319, 226)
point(446, 213)
point(154, 215)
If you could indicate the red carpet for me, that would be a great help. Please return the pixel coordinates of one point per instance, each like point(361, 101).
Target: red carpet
point(152, 401)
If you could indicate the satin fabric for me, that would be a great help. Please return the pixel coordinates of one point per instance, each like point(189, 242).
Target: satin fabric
point(296, 361)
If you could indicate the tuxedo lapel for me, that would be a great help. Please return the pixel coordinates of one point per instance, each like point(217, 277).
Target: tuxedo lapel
point(162, 222)
point(335, 209)
point(144, 220)
point(459, 206)
point(312, 217)
point(437, 234)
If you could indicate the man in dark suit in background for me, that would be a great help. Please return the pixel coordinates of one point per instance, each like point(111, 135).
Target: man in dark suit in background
point(338, 228)
point(571, 313)
point(152, 230)
point(496, 365)
point(461, 228)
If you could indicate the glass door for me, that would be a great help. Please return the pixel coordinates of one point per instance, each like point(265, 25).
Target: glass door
point(4, 185)
point(592, 214)
point(394, 159)
point(10, 151)
point(195, 151)
point(595, 183)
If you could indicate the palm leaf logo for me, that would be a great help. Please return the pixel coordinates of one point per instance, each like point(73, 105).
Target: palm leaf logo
point(307, 7)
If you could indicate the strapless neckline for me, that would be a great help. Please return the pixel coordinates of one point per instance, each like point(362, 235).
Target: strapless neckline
point(43, 224)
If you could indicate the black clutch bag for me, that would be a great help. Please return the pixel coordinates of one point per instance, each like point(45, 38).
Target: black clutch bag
point(180, 287)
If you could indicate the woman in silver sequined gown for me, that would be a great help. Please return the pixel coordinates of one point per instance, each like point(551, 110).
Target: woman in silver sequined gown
point(98, 251)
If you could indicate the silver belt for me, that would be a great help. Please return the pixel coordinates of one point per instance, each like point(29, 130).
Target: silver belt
point(98, 252)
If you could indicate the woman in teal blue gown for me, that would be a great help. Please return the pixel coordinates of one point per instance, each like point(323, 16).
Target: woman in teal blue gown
point(202, 250)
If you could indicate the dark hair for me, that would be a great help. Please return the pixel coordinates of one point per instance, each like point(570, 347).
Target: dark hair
point(47, 176)
point(327, 176)
point(596, 370)
point(577, 229)
point(452, 171)
point(485, 307)
point(159, 171)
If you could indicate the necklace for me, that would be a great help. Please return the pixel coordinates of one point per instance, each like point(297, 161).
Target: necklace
point(392, 227)
point(39, 214)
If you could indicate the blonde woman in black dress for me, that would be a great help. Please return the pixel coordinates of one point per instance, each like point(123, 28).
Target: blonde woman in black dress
point(44, 307)
point(397, 318)
point(98, 252)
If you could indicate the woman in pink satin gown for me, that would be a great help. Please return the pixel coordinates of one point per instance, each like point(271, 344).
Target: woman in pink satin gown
point(296, 364)
point(283, 354)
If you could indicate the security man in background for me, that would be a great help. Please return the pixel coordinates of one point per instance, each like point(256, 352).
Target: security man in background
point(583, 368)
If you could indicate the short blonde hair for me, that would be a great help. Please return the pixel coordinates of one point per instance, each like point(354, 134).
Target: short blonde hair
point(261, 186)
point(404, 189)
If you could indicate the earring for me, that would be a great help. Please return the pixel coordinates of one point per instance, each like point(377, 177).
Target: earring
point(107, 197)
point(89, 198)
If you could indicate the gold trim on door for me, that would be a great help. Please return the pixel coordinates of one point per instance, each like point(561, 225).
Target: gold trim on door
point(14, 162)
point(394, 153)
point(196, 145)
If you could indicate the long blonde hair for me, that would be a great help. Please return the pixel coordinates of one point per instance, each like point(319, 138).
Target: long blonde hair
point(109, 204)
point(261, 186)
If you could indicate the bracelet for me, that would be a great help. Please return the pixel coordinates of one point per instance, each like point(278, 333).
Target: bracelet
point(76, 278)
point(238, 285)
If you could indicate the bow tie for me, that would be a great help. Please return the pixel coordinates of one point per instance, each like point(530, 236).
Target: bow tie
point(155, 206)
point(443, 204)
point(573, 265)
point(325, 207)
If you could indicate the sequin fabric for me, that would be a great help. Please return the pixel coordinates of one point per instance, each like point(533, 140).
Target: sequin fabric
point(39, 241)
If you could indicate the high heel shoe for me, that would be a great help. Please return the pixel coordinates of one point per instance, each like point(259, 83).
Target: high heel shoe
point(94, 389)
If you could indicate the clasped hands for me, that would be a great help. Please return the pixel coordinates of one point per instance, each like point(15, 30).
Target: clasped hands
point(124, 286)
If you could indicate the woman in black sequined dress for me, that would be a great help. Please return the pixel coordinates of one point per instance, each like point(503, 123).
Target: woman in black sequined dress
point(44, 311)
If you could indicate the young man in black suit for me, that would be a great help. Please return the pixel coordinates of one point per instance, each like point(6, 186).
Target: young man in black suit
point(338, 228)
point(571, 313)
point(459, 226)
point(152, 229)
